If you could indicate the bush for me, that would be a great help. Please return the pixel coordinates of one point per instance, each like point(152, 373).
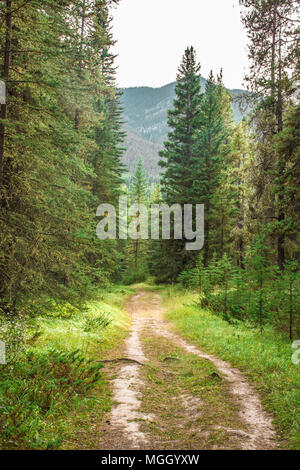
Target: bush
point(134, 275)
point(99, 323)
point(259, 294)
point(37, 390)
point(13, 332)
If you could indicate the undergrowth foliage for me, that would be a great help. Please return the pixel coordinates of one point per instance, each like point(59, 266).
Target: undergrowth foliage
point(99, 323)
point(36, 389)
point(52, 382)
point(258, 295)
point(264, 358)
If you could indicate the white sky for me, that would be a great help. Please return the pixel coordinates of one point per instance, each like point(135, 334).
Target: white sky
point(153, 34)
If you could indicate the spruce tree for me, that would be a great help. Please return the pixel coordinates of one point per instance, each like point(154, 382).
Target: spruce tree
point(239, 189)
point(179, 154)
point(137, 250)
point(57, 101)
point(212, 149)
point(179, 159)
point(287, 146)
point(273, 32)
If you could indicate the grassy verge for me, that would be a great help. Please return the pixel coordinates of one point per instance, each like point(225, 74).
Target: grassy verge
point(264, 358)
point(56, 388)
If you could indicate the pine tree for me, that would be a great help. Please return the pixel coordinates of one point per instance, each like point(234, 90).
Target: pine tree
point(259, 274)
point(274, 41)
point(155, 194)
point(109, 136)
point(179, 154)
point(287, 145)
point(212, 150)
point(57, 91)
point(239, 189)
point(179, 159)
point(139, 185)
point(105, 259)
point(137, 250)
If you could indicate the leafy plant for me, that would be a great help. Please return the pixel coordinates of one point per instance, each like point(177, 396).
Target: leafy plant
point(36, 388)
point(100, 322)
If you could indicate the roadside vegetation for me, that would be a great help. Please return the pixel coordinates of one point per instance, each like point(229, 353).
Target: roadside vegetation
point(265, 358)
point(54, 386)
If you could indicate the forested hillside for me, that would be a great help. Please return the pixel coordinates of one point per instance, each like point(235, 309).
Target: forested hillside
point(145, 123)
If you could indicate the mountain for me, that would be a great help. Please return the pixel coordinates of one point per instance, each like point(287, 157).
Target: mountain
point(145, 122)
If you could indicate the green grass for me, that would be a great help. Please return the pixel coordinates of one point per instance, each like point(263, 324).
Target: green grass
point(264, 358)
point(70, 333)
point(56, 387)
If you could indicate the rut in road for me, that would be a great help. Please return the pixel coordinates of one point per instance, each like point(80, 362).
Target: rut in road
point(127, 423)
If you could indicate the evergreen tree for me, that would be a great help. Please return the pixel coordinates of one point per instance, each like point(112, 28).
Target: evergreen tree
point(155, 194)
point(287, 146)
point(179, 159)
point(274, 41)
point(137, 250)
point(239, 190)
point(139, 185)
point(289, 292)
point(211, 165)
point(52, 62)
point(259, 273)
point(179, 154)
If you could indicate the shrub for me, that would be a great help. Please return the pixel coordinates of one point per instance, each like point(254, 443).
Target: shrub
point(42, 386)
point(98, 323)
point(259, 294)
point(134, 275)
point(13, 332)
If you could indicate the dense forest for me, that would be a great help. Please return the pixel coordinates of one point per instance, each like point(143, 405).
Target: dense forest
point(61, 155)
point(60, 152)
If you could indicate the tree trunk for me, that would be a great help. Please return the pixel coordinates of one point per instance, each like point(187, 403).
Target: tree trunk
point(136, 254)
point(291, 312)
point(241, 263)
point(206, 238)
point(281, 164)
point(77, 111)
point(7, 47)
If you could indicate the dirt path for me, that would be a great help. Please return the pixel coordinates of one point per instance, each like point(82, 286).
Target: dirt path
point(177, 397)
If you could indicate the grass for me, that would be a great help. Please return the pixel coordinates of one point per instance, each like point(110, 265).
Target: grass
point(54, 396)
point(56, 387)
point(72, 333)
point(264, 358)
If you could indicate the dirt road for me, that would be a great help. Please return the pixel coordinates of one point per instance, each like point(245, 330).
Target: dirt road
point(170, 395)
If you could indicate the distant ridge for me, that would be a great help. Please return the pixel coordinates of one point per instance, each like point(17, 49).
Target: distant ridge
point(145, 117)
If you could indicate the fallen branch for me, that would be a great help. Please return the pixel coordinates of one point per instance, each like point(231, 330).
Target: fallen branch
point(120, 359)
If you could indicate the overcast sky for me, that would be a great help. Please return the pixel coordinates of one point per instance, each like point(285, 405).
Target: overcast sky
point(153, 34)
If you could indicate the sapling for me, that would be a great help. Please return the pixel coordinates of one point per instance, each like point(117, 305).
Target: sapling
point(290, 280)
point(259, 273)
point(224, 272)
